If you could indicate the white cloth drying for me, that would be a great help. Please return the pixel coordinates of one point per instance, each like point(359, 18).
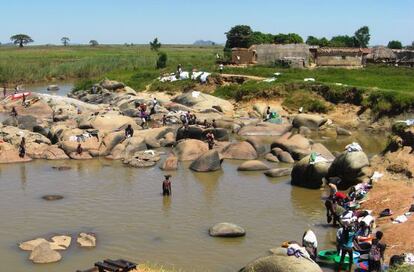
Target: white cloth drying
point(353, 147)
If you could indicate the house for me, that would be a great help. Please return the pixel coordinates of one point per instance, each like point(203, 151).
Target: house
point(295, 55)
point(339, 57)
point(404, 57)
point(381, 54)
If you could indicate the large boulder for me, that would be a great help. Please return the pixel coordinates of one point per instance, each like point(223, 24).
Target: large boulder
point(43, 253)
point(10, 154)
point(190, 149)
point(127, 148)
point(297, 145)
point(253, 165)
point(170, 163)
point(322, 150)
point(278, 172)
point(281, 262)
point(226, 230)
point(13, 135)
point(22, 121)
point(309, 175)
point(349, 167)
point(209, 161)
point(111, 84)
point(142, 159)
point(199, 133)
point(108, 122)
point(201, 101)
point(264, 129)
point(259, 144)
point(239, 151)
point(311, 121)
point(53, 152)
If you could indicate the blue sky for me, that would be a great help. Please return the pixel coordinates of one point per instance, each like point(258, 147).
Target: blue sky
point(184, 21)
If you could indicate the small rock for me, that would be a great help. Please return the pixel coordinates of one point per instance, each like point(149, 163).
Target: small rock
point(52, 197)
point(30, 245)
point(271, 158)
point(86, 240)
point(253, 165)
point(278, 172)
point(285, 157)
point(43, 253)
point(226, 230)
point(60, 241)
point(343, 132)
point(61, 168)
point(170, 163)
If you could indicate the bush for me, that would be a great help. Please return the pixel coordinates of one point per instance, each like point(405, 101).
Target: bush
point(306, 99)
point(389, 102)
point(172, 87)
point(82, 85)
point(162, 60)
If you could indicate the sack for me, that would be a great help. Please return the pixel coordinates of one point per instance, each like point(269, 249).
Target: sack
point(375, 253)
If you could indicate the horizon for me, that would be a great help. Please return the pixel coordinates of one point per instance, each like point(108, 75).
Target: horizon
point(184, 23)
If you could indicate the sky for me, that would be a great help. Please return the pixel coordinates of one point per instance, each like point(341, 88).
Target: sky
point(185, 21)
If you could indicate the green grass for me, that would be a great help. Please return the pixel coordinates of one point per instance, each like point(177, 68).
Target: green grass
point(306, 99)
point(43, 63)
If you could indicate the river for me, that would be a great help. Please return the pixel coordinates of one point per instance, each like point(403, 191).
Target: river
point(123, 206)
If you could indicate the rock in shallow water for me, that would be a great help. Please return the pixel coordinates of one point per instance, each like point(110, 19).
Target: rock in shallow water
point(52, 197)
point(43, 253)
point(226, 230)
point(253, 165)
point(86, 240)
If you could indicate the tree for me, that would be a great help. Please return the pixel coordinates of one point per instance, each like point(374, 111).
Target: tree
point(93, 43)
point(395, 45)
point(239, 36)
point(21, 39)
point(342, 41)
point(287, 38)
point(65, 41)
point(362, 37)
point(155, 45)
point(311, 40)
point(258, 37)
point(162, 60)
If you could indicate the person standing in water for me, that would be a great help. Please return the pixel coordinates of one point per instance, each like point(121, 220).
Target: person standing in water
point(210, 140)
point(166, 186)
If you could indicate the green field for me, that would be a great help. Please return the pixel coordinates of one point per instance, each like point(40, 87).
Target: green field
point(44, 63)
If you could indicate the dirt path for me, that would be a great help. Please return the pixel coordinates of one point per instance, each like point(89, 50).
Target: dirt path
point(396, 193)
point(244, 76)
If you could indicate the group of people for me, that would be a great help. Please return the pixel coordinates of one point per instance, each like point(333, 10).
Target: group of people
point(143, 114)
point(355, 227)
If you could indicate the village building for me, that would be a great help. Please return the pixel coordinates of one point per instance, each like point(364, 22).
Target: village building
point(293, 55)
point(404, 57)
point(340, 57)
point(381, 54)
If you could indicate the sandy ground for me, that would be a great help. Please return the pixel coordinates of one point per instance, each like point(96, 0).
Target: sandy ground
point(396, 193)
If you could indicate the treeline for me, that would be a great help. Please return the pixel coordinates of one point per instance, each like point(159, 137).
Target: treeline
point(243, 36)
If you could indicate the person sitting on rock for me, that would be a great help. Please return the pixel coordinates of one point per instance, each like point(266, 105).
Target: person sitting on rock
point(79, 149)
point(164, 120)
point(268, 112)
point(22, 148)
point(210, 140)
point(129, 131)
point(166, 186)
point(213, 124)
point(13, 112)
point(206, 124)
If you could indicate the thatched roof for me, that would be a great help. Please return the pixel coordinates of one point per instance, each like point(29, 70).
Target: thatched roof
point(381, 53)
point(334, 51)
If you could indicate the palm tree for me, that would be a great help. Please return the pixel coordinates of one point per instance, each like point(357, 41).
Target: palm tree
point(93, 42)
point(65, 41)
point(21, 39)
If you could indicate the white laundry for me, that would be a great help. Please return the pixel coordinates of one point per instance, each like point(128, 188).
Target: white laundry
point(195, 94)
point(353, 147)
point(308, 79)
point(376, 176)
point(400, 219)
point(203, 77)
point(310, 239)
point(269, 79)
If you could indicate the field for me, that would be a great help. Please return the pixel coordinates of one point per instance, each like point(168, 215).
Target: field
point(386, 89)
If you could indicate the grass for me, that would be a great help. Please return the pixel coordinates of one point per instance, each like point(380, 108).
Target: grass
point(44, 63)
point(306, 99)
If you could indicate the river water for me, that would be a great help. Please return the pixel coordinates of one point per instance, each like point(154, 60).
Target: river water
point(123, 206)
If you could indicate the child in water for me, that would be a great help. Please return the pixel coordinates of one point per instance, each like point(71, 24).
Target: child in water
point(166, 186)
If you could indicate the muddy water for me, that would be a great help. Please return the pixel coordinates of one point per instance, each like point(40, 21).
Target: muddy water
point(64, 88)
point(123, 206)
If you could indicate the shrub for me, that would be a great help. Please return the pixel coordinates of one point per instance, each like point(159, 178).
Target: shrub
point(162, 60)
point(82, 85)
point(306, 99)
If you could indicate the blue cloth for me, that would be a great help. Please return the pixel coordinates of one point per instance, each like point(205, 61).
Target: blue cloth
point(350, 241)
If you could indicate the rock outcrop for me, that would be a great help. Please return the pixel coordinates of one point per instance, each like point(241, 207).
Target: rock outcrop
point(207, 162)
point(226, 230)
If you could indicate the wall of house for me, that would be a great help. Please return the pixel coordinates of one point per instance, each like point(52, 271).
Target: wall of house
point(269, 53)
point(246, 56)
point(339, 60)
